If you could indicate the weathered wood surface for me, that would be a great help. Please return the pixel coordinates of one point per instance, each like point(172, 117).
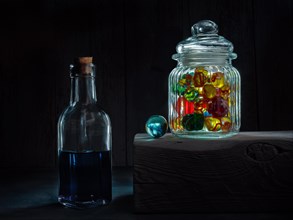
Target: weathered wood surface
point(252, 171)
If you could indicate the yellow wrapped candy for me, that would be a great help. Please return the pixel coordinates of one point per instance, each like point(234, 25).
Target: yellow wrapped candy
point(226, 124)
point(200, 76)
point(218, 79)
point(209, 90)
point(225, 91)
point(212, 124)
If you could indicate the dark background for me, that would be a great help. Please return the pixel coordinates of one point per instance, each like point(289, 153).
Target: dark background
point(132, 43)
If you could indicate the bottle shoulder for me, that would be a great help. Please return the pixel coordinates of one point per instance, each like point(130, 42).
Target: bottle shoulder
point(88, 112)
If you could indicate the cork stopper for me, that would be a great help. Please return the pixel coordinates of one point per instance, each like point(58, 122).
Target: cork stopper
point(83, 65)
point(85, 60)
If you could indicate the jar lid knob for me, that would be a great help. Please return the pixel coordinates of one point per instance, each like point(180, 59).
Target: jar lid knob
point(204, 27)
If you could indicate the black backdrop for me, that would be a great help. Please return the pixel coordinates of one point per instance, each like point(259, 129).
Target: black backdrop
point(132, 43)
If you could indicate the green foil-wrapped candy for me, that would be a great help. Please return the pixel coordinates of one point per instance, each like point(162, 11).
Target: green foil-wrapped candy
point(190, 94)
point(193, 122)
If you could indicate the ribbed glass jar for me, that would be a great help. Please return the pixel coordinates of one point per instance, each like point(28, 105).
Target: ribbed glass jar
point(204, 88)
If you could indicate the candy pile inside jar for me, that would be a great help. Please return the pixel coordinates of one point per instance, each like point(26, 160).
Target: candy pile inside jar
point(202, 102)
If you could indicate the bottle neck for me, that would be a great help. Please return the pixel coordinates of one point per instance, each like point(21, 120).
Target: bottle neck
point(83, 90)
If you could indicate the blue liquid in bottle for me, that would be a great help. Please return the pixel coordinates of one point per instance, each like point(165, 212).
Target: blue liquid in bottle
point(85, 179)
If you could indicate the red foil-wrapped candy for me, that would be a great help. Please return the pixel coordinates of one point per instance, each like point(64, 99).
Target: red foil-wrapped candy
point(183, 106)
point(218, 107)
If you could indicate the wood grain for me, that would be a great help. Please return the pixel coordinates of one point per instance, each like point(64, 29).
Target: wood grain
point(248, 172)
point(151, 36)
point(272, 60)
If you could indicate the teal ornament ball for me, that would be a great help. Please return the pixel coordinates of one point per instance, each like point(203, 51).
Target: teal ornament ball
point(156, 126)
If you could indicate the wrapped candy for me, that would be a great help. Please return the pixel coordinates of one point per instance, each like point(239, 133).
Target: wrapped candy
point(209, 91)
point(190, 94)
point(225, 91)
point(218, 92)
point(193, 122)
point(212, 124)
point(199, 90)
point(218, 79)
point(226, 124)
point(186, 80)
point(218, 107)
point(206, 113)
point(200, 76)
point(180, 89)
point(183, 106)
point(200, 104)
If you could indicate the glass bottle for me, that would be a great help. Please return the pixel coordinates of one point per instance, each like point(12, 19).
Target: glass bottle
point(84, 143)
point(204, 88)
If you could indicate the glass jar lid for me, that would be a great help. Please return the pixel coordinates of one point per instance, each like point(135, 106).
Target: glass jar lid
point(205, 43)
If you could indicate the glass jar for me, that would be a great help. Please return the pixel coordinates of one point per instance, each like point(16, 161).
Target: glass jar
point(84, 143)
point(204, 88)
